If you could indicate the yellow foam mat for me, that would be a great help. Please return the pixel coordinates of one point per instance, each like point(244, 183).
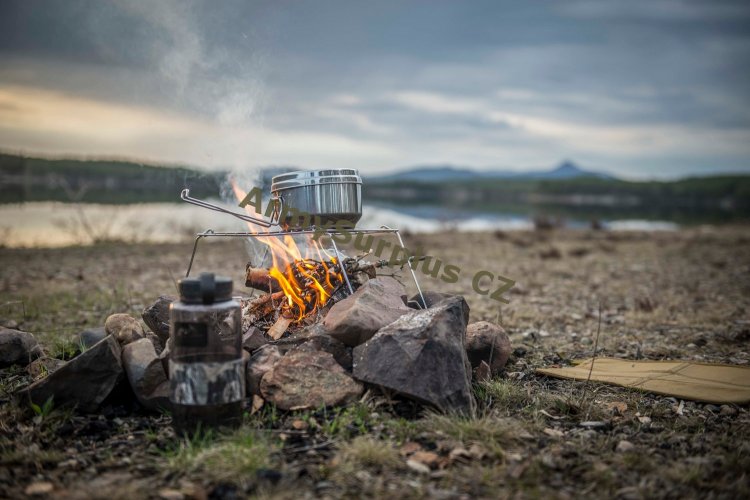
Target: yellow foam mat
point(711, 383)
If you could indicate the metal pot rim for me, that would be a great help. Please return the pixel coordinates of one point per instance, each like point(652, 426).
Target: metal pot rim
point(304, 178)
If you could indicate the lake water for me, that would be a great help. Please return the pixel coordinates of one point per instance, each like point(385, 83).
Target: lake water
point(51, 224)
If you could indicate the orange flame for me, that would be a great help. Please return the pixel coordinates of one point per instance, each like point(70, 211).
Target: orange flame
point(306, 279)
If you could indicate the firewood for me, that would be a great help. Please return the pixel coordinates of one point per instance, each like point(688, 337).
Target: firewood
point(262, 306)
point(260, 279)
point(279, 328)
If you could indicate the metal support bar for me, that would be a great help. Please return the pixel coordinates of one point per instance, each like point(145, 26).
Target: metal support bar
point(342, 266)
point(411, 268)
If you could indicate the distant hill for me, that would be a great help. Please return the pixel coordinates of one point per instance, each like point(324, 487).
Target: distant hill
point(99, 181)
point(565, 187)
point(449, 173)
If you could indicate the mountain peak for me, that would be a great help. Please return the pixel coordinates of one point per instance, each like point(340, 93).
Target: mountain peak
point(568, 166)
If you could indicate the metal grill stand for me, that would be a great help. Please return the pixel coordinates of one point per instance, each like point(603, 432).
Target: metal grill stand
point(209, 233)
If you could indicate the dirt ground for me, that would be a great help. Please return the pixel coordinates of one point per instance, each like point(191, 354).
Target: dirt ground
point(672, 295)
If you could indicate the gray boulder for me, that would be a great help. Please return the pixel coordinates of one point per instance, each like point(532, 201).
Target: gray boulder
point(17, 348)
point(124, 328)
point(308, 379)
point(156, 317)
point(375, 304)
point(84, 382)
point(91, 337)
point(422, 355)
point(489, 343)
point(146, 374)
point(260, 362)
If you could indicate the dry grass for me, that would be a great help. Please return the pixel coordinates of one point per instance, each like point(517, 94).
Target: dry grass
point(682, 295)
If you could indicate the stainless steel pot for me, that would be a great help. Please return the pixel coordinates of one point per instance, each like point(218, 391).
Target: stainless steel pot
point(320, 196)
point(325, 195)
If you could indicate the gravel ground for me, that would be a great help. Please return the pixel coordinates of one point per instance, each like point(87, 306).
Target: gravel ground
point(672, 295)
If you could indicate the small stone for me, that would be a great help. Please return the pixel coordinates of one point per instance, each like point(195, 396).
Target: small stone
point(374, 305)
point(171, 494)
point(586, 341)
point(428, 458)
point(262, 361)
point(42, 367)
point(156, 317)
point(489, 343)
point(728, 410)
point(124, 328)
point(39, 488)
point(303, 380)
point(10, 324)
point(299, 425)
point(253, 339)
point(88, 338)
point(17, 348)
point(624, 446)
point(417, 467)
point(482, 373)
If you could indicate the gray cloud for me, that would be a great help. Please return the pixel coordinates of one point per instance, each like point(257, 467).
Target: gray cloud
point(658, 85)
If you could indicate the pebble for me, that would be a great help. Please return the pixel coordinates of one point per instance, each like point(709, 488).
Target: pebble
point(728, 410)
point(417, 467)
point(39, 488)
point(170, 494)
point(624, 446)
point(586, 341)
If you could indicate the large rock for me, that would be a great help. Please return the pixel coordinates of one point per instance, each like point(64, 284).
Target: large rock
point(156, 317)
point(340, 351)
point(375, 304)
point(422, 355)
point(489, 343)
point(260, 362)
point(124, 328)
point(85, 381)
point(308, 379)
point(146, 374)
point(17, 347)
point(91, 337)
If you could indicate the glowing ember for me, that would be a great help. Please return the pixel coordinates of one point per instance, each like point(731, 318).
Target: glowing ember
point(308, 280)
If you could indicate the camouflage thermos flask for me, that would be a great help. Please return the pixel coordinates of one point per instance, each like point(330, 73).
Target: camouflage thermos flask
point(206, 376)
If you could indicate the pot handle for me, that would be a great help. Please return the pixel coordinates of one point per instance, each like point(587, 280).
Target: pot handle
point(185, 195)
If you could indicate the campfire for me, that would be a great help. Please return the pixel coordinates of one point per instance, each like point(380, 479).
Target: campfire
point(325, 328)
point(305, 277)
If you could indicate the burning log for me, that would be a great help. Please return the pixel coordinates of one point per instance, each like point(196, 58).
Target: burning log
point(260, 279)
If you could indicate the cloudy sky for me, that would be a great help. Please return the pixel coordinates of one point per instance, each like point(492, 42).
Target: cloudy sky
point(636, 88)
